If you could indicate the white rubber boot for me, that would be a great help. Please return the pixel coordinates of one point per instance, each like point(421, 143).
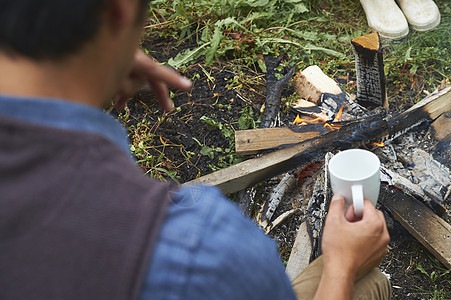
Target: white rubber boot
point(385, 17)
point(423, 15)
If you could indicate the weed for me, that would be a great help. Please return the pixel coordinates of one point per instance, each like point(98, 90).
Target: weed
point(436, 274)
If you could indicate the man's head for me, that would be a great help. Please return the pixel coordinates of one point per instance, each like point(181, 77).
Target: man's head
point(50, 29)
point(78, 50)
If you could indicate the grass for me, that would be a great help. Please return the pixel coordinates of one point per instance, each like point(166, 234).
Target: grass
point(306, 33)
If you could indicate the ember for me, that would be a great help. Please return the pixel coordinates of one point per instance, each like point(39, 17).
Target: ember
point(381, 144)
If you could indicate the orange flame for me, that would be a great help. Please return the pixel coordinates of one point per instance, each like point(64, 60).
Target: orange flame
point(332, 126)
point(339, 113)
point(298, 120)
point(381, 144)
point(317, 120)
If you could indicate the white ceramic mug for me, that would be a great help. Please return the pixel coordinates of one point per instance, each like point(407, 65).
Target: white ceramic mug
point(354, 174)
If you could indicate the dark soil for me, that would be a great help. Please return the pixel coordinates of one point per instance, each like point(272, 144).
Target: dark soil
point(215, 96)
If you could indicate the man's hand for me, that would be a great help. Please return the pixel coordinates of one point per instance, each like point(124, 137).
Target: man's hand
point(146, 71)
point(351, 247)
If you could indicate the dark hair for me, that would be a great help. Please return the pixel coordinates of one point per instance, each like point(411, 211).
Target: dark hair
point(48, 29)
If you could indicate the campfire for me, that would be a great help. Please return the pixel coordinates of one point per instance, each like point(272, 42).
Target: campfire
point(414, 172)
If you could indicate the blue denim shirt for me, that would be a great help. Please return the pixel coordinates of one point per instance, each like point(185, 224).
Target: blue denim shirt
point(206, 248)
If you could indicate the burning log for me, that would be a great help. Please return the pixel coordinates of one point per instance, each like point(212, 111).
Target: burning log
point(373, 128)
point(316, 87)
point(311, 84)
point(369, 70)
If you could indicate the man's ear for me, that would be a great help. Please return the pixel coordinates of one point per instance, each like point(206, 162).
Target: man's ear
point(121, 13)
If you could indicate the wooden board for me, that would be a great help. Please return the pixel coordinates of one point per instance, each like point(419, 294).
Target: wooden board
point(442, 126)
point(255, 140)
point(300, 253)
point(429, 229)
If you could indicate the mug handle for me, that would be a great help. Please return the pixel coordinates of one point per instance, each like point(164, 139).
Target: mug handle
point(357, 199)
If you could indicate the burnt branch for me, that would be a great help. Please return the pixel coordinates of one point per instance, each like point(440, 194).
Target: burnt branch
point(274, 89)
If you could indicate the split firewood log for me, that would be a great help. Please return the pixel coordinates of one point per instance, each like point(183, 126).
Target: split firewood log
point(370, 70)
point(316, 87)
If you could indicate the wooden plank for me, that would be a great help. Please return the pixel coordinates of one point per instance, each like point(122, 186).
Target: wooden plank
point(255, 140)
point(441, 128)
point(374, 128)
point(300, 253)
point(428, 228)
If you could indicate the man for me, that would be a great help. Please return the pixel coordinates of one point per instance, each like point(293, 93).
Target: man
point(78, 220)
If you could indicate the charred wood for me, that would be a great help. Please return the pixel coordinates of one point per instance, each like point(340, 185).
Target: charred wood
point(274, 199)
point(402, 183)
point(315, 86)
point(369, 70)
point(307, 245)
point(274, 89)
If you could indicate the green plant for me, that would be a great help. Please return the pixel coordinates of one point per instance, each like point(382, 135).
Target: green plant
point(436, 274)
point(221, 27)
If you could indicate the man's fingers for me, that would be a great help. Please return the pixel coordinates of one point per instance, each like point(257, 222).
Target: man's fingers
point(381, 215)
point(350, 215)
point(337, 205)
point(155, 71)
point(161, 93)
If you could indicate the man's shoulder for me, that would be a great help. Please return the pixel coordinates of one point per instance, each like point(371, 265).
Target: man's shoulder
point(207, 246)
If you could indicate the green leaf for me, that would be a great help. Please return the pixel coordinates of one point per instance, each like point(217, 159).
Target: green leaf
point(262, 65)
point(256, 3)
point(207, 151)
point(216, 40)
point(407, 56)
point(325, 50)
point(186, 57)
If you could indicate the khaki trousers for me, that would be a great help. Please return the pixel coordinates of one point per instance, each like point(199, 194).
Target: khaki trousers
point(373, 285)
